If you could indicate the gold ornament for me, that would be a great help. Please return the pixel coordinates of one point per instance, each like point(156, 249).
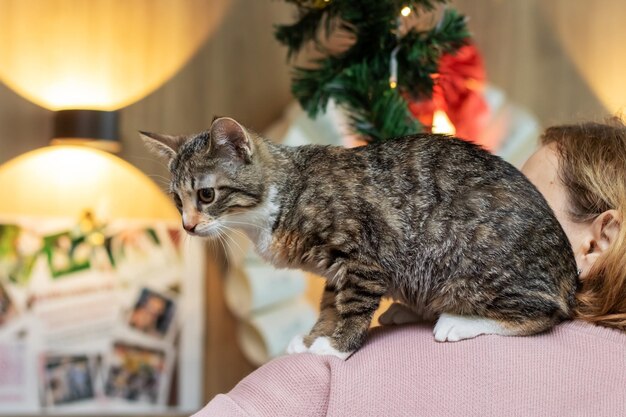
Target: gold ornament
point(314, 4)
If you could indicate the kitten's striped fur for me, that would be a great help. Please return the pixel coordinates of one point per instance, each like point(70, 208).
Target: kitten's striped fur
point(434, 222)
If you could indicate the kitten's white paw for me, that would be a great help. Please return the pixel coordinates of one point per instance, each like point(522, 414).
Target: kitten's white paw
point(322, 346)
point(452, 328)
point(398, 313)
point(297, 345)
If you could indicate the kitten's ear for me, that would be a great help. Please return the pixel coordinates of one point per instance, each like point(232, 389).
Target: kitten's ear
point(165, 146)
point(227, 134)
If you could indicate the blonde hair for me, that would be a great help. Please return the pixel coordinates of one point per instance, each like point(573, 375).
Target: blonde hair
point(593, 170)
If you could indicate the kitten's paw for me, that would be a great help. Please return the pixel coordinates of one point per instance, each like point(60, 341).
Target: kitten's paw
point(398, 313)
point(297, 345)
point(452, 328)
point(322, 346)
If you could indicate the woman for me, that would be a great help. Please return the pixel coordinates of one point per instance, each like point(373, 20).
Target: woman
point(577, 368)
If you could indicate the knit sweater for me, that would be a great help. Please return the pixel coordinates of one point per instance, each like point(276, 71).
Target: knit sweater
point(576, 369)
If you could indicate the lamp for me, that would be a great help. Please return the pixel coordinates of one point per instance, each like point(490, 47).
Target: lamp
point(95, 128)
point(84, 60)
point(65, 181)
point(99, 54)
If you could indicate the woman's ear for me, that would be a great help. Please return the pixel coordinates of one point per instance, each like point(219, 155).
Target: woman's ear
point(601, 234)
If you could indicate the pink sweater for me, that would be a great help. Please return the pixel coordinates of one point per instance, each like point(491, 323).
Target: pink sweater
point(577, 369)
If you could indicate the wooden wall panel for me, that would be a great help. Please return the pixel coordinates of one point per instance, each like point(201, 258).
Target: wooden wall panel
point(24, 126)
point(525, 57)
point(240, 72)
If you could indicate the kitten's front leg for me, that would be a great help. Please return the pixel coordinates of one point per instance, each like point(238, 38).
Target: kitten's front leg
point(325, 325)
point(357, 298)
point(327, 321)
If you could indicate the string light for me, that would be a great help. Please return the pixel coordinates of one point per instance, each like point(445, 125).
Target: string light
point(442, 124)
point(393, 68)
point(393, 62)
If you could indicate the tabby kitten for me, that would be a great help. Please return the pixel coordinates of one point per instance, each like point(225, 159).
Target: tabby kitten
point(434, 222)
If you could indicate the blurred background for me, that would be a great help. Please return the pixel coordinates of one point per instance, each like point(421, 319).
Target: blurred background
point(547, 62)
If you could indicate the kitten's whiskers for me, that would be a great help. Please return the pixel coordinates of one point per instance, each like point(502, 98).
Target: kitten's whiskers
point(232, 239)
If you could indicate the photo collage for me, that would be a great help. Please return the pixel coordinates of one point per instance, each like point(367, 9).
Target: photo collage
point(96, 307)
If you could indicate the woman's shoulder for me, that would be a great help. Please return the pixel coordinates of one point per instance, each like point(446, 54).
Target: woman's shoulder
point(401, 369)
point(562, 369)
point(602, 334)
point(413, 343)
point(421, 334)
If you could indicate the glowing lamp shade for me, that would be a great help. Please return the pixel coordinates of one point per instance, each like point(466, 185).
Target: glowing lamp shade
point(64, 181)
point(99, 54)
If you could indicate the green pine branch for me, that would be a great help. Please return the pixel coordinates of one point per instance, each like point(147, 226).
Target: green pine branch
point(358, 79)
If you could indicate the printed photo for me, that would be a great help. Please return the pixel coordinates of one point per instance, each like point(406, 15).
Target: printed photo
point(135, 373)
point(19, 249)
point(67, 379)
point(67, 253)
point(153, 313)
point(133, 246)
point(7, 309)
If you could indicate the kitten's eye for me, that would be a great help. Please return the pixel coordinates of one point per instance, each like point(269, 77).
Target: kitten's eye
point(177, 201)
point(206, 195)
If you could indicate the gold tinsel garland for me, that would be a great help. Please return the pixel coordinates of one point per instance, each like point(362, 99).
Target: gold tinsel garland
point(313, 4)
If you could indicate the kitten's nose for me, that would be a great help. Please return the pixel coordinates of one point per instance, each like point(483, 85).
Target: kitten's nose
point(189, 227)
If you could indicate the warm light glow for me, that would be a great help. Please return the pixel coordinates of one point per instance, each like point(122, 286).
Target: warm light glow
point(99, 54)
point(64, 181)
point(442, 124)
point(597, 51)
point(406, 10)
point(393, 84)
point(112, 146)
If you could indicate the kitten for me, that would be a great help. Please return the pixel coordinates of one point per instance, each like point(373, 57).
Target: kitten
point(434, 222)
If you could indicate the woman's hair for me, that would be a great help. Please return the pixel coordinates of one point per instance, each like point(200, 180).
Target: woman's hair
point(593, 169)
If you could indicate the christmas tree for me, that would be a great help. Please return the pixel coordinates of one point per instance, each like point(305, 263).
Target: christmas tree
point(389, 64)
